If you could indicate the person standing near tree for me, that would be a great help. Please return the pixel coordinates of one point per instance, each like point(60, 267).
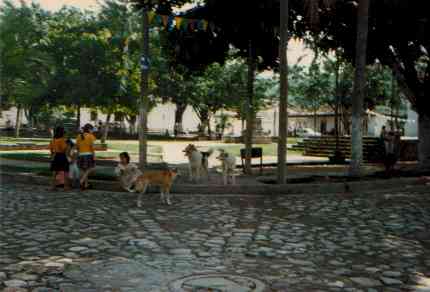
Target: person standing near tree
point(59, 162)
point(86, 154)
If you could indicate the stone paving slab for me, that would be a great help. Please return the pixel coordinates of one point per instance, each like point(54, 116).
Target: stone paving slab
point(100, 241)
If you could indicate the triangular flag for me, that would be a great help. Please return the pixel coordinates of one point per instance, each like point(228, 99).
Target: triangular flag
point(158, 20)
point(184, 23)
point(192, 24)
point(151, 15)
point(165, 19)
point(205, 25)
point(170, 23)
point(178, 21)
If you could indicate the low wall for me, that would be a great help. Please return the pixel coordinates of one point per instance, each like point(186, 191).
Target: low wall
point(409, 150)
point(18, 147)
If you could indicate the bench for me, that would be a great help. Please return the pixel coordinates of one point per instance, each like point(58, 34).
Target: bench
point(256, 152)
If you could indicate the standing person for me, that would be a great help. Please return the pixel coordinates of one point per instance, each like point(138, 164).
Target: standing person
point(86, 154)
point(59, 163)
point(72, 156)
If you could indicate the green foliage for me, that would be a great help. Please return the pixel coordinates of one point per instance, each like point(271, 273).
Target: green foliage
point(25, 67)
point(314, 88)
point(225, 87)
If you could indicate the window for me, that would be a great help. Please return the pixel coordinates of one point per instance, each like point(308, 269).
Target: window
point(119, 117)
point(93, 115)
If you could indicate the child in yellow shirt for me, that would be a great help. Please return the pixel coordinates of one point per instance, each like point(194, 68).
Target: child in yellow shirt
point(86, 154)
point(59, 163)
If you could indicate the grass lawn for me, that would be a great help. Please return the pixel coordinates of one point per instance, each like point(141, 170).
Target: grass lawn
point(37, 155)
point(132, 146)
point(12, 141)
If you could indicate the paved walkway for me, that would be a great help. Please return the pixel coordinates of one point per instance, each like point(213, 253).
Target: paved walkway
point(100, 241)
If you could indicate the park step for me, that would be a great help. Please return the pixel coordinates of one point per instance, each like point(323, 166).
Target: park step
point(326, 146)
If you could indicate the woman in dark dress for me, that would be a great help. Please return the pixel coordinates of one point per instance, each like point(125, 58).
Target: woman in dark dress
point(59, 163)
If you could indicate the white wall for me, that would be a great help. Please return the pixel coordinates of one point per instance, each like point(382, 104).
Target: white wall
point(411, 127)
point(10, 115)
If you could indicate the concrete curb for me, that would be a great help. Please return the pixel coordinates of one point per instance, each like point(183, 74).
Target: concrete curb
point(374, 186)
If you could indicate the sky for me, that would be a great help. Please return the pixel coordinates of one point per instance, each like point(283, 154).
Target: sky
point(296, 49)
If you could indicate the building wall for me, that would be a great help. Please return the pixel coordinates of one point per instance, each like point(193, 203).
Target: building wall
point(10, 115)
point(411, 127)
point(162, 118)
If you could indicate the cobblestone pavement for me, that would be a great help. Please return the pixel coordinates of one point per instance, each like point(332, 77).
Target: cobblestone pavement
point(100, 241)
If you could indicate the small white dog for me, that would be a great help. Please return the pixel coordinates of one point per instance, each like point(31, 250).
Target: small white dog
point(228, 166)
point(198, 162)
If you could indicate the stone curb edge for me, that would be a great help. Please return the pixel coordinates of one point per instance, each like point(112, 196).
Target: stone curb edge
point(382, 185)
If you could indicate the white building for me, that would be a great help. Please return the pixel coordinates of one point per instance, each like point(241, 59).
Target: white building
point(162, 118)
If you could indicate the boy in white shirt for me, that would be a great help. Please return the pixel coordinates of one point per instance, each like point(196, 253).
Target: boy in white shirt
point(127, 172)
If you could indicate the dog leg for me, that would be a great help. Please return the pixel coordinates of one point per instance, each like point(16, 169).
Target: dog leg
point(139, 200)
point(206, 168)
point(225, 178)
point(162, 195)
point(140, 195)
point(233, 179)
point(168, 202)
point(191, 173)
point(197, 177)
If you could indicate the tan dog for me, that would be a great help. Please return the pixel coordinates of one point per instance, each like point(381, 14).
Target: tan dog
point(198, 162)
point(162, 178)
point(228, 166)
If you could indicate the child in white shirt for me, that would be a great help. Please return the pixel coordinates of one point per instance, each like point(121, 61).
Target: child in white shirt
point(127, 172)
point(72, 157)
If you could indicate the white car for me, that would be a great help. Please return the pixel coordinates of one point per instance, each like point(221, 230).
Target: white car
point(307, 132)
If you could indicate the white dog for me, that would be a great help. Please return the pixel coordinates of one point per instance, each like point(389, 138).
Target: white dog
point(198, 162)
point(228, 166)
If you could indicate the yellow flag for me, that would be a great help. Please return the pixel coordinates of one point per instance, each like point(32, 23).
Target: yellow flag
point(205, 25)
point(151, 15)
point(178, 21)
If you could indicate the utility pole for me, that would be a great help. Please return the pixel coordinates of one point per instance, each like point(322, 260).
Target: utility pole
point(249, 110)
point(355, 168)
point(283, 98)
point(144, 94)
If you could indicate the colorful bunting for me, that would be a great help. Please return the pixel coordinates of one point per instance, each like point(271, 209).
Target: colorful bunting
point(184, 23)
point(171, 22)
point(178, 21)
point(165, 19)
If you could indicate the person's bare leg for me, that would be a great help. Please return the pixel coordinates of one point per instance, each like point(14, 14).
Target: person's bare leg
point(67, 184)
point(54, 181)
point(84, 178)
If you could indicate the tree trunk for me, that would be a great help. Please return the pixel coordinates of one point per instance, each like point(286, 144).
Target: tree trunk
point(249, 110)
point(336, 111)
point(209, 129)
point(78, 117)
point(315, 121)
point(424, 141)
point(132, 124)
point(355, 168)
point(203, 115)
point(18, 120)
point(179, 114)
point(106, 128)
point(144, 99)
point(283, 97)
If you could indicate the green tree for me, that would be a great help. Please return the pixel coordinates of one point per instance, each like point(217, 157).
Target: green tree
point(25, 68)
